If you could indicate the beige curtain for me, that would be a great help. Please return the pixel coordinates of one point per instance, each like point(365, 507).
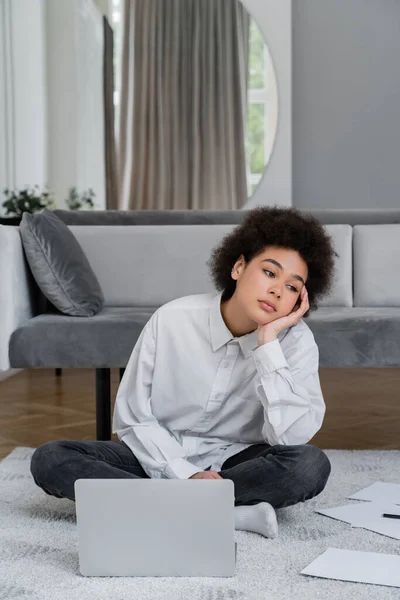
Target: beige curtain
point(181, 142)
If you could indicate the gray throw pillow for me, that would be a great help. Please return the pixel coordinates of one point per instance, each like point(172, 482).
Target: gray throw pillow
point(59, 265)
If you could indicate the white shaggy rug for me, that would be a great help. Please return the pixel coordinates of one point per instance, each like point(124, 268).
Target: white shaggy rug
point(39, 551)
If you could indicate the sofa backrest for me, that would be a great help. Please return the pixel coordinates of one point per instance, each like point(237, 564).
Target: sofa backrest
point(149, 265)
point(340, 216)
point(376, 265)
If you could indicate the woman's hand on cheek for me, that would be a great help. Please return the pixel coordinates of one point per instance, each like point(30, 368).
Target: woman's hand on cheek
point(269, 332)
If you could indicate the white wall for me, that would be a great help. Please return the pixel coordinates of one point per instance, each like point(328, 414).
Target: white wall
point(6, 149)
point(105, 7)
point(346, 104)
point(51, 96)
point(30, 104)
point(23, 146)
point(75, 98)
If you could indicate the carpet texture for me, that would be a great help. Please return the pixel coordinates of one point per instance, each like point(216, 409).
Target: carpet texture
point(39, 551)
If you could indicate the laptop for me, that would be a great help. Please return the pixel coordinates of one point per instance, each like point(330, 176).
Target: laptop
point(156, 527)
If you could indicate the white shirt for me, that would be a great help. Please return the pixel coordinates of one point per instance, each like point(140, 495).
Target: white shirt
point(192, 395)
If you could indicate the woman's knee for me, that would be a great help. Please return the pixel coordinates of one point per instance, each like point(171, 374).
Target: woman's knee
point(314, 463)
point(45, 460)
point(307, 464)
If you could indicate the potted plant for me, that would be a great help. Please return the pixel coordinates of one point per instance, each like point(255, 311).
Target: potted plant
point(79, 202)
point(29, 200)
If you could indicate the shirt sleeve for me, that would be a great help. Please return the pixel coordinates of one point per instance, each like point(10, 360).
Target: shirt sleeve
point(157, 450)
point(290, 392)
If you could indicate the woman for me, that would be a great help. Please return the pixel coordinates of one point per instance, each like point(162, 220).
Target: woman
point(224, 385)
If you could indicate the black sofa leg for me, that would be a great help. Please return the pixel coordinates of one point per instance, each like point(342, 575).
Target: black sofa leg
point(58, 372)
point(103, 404)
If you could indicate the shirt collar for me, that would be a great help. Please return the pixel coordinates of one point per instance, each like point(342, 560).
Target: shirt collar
point(220, 334)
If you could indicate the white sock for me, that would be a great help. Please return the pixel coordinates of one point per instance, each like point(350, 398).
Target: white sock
point(260, 518)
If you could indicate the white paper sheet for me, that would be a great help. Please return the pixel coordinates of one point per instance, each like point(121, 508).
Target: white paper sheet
point(382, 525)
point(379, 492)
point(359, 510)
point(354, 565)
point(367, 515)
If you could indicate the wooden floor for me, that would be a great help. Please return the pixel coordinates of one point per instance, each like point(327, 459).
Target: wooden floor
point(363, 408)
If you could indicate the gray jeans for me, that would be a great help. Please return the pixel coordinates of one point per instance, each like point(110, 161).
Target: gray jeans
point(281, 475)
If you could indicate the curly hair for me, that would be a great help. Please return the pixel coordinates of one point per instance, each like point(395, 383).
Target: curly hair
point(276, 226)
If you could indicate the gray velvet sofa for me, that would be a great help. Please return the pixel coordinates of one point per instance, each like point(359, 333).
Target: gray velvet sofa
point(143, 259)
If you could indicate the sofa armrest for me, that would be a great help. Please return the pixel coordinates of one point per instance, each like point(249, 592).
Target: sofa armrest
point(17, 291)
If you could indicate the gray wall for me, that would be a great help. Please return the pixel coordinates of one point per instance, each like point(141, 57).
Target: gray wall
point(346, 103)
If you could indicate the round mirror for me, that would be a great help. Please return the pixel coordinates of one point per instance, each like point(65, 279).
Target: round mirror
point(203, 82)
point(262, 107)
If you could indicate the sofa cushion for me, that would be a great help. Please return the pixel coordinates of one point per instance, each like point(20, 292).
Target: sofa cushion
point(346, 337)
point(54, 340)
point(342, 292)
point(59, 265)
point(164, 262)
point(376, 265)
point(357, 337)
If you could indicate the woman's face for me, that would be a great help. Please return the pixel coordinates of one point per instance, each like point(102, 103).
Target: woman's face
point(277, 276)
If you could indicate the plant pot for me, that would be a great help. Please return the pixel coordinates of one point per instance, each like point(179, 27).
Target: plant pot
point(10, 221)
